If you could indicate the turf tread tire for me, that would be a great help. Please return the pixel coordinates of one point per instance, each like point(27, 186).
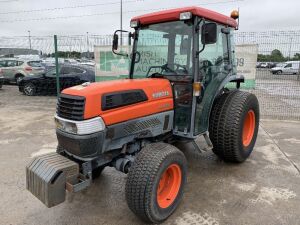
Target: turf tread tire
point(226, 125)
point(142, 181)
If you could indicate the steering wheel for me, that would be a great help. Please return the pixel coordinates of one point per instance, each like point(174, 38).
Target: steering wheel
point(163, 68)
point(153, 67)
point(180, 66)
point(167, 69)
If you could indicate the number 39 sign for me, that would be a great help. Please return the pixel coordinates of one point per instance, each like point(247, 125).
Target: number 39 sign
point(246, 59)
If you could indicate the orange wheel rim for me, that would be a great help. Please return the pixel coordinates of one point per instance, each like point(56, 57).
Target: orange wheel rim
point(248, 128)
point(169, 185)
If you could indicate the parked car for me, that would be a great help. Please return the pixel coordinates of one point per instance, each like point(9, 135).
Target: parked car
point(271, 65)
point(14, 70)
point(262, 65)
point(290, 67)
point(87, 62)
point(71, 61)
point(265, 65)
point(69, 75)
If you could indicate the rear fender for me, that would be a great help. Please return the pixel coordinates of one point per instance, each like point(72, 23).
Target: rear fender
point(238, 79)
point(214, 89)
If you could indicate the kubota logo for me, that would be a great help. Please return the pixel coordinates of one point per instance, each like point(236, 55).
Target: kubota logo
point(160, 94)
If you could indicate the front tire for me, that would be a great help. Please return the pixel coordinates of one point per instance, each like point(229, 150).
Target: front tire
point(29, 89)
point(234, 125)
point(156, 181)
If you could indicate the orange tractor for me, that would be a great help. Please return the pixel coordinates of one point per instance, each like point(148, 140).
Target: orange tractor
point(177, 90)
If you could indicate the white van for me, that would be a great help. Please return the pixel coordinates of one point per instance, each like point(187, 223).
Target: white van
point(290, 67)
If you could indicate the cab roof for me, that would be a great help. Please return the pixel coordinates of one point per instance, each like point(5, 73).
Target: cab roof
point(174, 14)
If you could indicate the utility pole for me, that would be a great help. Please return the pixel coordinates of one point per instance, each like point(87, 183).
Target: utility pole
point(291, 41)
point(88, 44)
point(29, 39)
point(121, 21)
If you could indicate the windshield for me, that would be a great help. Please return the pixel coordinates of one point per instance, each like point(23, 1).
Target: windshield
point(164, 49)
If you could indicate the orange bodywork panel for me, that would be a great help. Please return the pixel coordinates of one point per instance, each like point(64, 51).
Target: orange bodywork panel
point(158, 91)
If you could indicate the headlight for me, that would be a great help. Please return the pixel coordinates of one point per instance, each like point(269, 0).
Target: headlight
point(80, 127)
point(134, 23)
point(185, 15)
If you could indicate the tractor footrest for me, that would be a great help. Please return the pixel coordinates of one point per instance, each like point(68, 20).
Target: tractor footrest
point(47, 175)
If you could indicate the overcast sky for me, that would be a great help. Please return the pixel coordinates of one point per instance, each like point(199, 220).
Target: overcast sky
point(15, 20)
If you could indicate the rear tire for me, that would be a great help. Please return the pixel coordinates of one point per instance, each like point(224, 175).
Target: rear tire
point(234, 125)
point(279, 72)
point(156, 181)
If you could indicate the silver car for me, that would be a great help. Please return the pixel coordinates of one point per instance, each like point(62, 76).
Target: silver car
point(13, 70)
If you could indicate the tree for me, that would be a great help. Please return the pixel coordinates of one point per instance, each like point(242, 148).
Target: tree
point(263, 58)
point(296, 56)
point(276, 56)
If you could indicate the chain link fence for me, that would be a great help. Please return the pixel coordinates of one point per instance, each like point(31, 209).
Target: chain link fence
point(278, 89)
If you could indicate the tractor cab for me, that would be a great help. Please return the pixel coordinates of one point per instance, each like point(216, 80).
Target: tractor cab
point(192, 48)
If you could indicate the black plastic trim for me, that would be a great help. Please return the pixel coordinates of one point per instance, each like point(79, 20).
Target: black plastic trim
point(81, 145)
point(71, 107)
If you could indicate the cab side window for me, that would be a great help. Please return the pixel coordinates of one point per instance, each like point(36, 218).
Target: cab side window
point(214, 57)
point(213, 61)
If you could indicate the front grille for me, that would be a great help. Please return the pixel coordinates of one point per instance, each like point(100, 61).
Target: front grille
point(70, 107)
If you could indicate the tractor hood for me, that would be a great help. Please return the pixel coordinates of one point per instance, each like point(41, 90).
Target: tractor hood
point(121, 100)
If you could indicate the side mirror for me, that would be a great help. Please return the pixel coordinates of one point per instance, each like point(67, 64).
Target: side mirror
point(115, 43)
point(209, 33)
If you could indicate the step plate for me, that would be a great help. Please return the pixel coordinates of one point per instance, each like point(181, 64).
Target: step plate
point(46, 177)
